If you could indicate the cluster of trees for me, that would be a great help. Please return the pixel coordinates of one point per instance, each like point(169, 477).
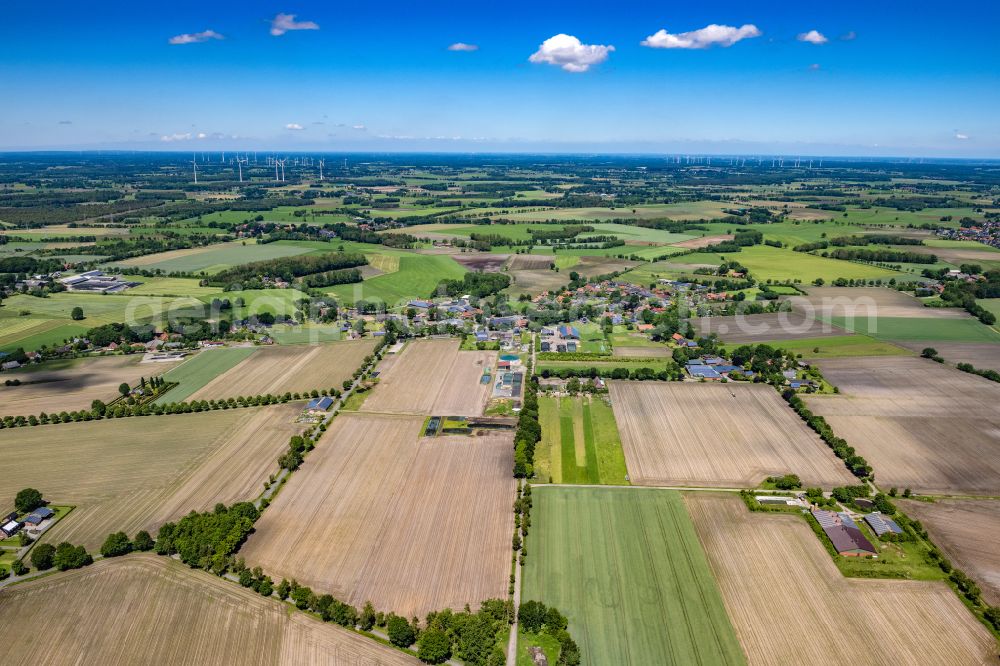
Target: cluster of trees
point(959, 293)
point(27, 500)
point(118, 544)
point(991, 375)
point(64, 556)
point(329, 278)
point(670, 372)
point(741, 239)
point(522, 521)
point(529, 431)
point(297, 448)
point(786, 482)
point(287, 268)
point(856, 463)
point(124, 410)
point(881, 256)
point(479, 285)
point(207, 540)
point(537, 618)
point(858, 241)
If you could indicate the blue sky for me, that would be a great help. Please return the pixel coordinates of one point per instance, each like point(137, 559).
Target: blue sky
point(365, 75)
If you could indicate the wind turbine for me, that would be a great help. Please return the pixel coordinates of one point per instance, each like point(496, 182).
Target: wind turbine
point(321, 162)
point(282, 163)
point(275, 170)
point(194, 164)
point(239, 165)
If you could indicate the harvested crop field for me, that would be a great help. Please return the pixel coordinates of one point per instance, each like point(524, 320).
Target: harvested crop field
point(704, 241)
point(433, 377)
point(718, 435)
point(595, 266)
point(642, 352)
point(522, 262)
point(485, 262)
point(289, 368)
point(149, 609)
point(59, 386)
point(981, 355)
point(828, 302)
point(756, 328)
point(967, 531)
point(920, 424)
point(376, 514)
point(626, 568)
point(139, 472)
point(790, 604)
point(535, 281)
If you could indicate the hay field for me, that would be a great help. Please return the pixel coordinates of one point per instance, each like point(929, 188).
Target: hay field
point(625, 567)
point(756, 328)
point(212, 258)
point(139, 472)
point(144, 609)
point(790, 604)
point(535, 281)
point(920, 424)
point(967, 533)
point(68, 386)
point(376, 514)
point(289, 368)
point(433, 377)
point(717, 435)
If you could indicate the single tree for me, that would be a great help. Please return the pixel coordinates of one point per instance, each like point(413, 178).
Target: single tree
point(42, 556)
point(400, 631)
point(77, 313)
point(434, 647)
point(142, 541)
point(123, 388)
point(27, 500)
point(116, 544)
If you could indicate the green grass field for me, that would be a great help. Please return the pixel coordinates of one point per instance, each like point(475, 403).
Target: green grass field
point(626, 568)
point(200, 369)
point(837, 346)
point(417, 277)
point(308, 333)
point(164, 286)
point(580, 442)
point(691, 210)
point(213, 258)
point(605, 365)
point(771, 263)
point(909, 328)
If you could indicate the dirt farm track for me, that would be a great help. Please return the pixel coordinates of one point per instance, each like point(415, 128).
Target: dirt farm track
point(148, 609)
point(790, 604)
point(719, 435)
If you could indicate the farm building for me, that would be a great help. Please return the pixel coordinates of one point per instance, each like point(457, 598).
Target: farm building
point(569, 333)
point(38, 516)
point(881, 524)
point(703, 371)
point(10, 528)
point(320, 404)
point(845, 536)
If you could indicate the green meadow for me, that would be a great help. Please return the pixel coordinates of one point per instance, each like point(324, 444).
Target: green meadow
point(418, 276)
point(626, 568)
point(580, 442)
point(921, 328)
point(200, 369)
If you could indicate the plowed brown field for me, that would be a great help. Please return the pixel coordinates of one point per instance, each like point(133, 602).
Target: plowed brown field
point(292, 368)
point(144, 609)
point(137, 473)
point(719, 435)
point(920, 424)
point(377, 515)
point(790, 604)
point(433, 377)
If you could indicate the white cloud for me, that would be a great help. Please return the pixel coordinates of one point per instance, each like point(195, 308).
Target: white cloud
point(849, 36)
point(202, 135)
point(710, 35)
point(569, 53)
point(814, 67)
point(186, 136)
point(195, 37)
point(294, 126)
point(462, 46)
point(282, 23)
point(961, 137)
point(813, 37)
point(360, 128)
